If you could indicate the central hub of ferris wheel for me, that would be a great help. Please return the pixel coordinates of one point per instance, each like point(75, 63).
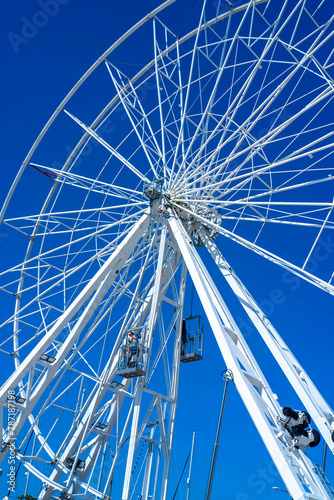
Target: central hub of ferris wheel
point(192, 215)
point(194, 225)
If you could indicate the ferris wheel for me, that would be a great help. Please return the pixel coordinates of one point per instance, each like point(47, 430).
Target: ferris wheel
point(224, 135)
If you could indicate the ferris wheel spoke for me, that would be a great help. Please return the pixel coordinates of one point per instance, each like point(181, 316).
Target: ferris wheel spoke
point(108, 147)
point(317, 238)
point(188, 87)
point(288, 266)
point(234, 105)
point(274, 112)
point(169, 128)
point(280, 203)
point(126, 221)
point(277, 190)
point(69, 214)
point(210, 103)
point(55, 229)
point(93, 185)
point(298, 271)
point(314, 217)
point(296, 155)
point(274, 189)
point(149, 126)
point(265, 105)
point(236, 211)
point(277, 221)
point(141, 136)
point(310, 218)
point(157, 79)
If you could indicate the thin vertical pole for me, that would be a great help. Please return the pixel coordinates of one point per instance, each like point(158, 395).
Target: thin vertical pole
point(178, 484)
point(227, 375)
point(324, 458)
point(191, 463)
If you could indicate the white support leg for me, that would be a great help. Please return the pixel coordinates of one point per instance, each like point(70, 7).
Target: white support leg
point(314, 403)
point(166, 435)
point(293, 465)
point(132, 442)
point(175, 383)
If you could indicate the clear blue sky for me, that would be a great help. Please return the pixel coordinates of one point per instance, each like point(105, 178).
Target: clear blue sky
point(39, 66)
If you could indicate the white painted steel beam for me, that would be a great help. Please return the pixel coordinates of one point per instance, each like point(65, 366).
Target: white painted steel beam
point(175, 383)
point(315, 404)
point(293, 465)
point(288, 266)
point(108, 147)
